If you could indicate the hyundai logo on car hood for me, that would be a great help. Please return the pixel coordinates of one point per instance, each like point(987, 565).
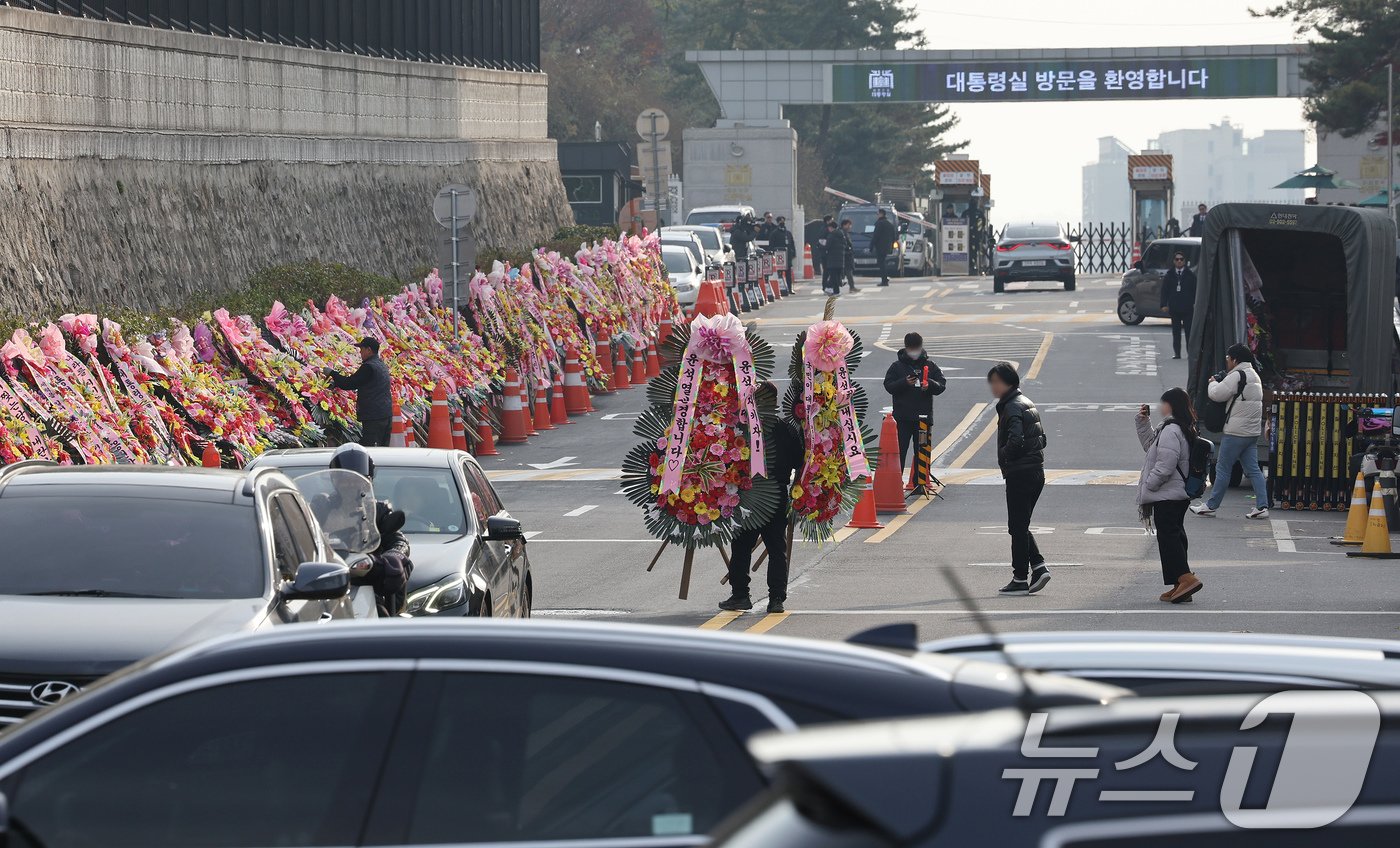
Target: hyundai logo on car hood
point(52, 691)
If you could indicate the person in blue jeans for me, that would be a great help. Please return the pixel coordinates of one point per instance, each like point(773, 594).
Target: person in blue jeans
point(1242, 392)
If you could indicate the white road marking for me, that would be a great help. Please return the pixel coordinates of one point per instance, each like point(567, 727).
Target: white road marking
point(1116, 531)
point(1008, 565)
point(1073, 304)
point(1136, 357)
point(583, 510)
point(919, 288)
point(620, 416)
point(561, 462)
point(532, 534)
point(1285, 542)
point(579, 613)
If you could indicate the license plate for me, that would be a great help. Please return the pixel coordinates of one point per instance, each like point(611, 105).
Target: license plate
point(1034, 263)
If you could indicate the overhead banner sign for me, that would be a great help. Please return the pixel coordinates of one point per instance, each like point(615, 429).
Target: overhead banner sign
point(1106, 79)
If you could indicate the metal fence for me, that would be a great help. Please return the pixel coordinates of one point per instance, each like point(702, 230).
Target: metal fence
point(1098, 248)
point(503, 34)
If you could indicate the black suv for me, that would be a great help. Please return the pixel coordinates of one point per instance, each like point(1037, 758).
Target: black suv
point(107, 565)
point(452, 732)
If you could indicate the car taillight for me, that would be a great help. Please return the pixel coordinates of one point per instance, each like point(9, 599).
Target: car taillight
point(1059, 245)
point(1006, 248)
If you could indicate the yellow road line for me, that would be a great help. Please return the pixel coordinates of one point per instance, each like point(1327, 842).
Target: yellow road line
point(945, 292)
point(768, 622)
point(958, 431)
point(899, 521)
point(966, 456)
point(905, 311)
point(843, 534)
point(1040, 357)
point(720, 621)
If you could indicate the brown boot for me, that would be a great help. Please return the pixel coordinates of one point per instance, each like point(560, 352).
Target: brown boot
point(1187, 585)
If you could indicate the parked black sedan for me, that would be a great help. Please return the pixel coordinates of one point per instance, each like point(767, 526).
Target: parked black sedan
point(468, 553)
point(434, 732)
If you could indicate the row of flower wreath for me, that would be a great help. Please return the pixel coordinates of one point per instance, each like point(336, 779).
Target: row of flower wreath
point(78, 391)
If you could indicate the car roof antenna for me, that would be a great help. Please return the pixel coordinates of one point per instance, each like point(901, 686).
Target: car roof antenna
point(1025, 702)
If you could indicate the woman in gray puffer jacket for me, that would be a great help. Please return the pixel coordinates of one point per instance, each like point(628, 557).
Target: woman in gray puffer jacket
point(1162, 498)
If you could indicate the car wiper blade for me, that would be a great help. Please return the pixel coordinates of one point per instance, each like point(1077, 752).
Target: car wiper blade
point(94, 593)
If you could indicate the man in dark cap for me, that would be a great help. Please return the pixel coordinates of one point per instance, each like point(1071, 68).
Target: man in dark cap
point(374, 404)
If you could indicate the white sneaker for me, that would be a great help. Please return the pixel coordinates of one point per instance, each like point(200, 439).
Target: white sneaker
point(1257, 512)
point(1202, 509)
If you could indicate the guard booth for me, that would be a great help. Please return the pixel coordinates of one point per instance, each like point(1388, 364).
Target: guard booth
point(959, 185)
point(1150, 184)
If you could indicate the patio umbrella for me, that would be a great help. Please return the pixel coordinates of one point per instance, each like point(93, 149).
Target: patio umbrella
point(1379, 199)
point(1316, 177)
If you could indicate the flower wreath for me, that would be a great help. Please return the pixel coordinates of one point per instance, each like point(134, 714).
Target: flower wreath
point(704, 417)
point(830, 408)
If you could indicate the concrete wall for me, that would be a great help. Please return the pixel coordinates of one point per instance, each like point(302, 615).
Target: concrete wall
point(141, 164)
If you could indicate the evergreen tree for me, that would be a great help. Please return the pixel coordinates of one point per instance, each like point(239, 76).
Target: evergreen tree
point(1352, 42)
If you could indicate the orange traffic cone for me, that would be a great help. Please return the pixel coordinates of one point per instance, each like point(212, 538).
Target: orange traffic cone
point(558, 410)
point(663, 332)
point(809, 270)
point(396, 429)
point(708, 302)
point(485, 439)
point(653, 361)
point(1355, 533)
point(1377, 544)
point(459, 432)
point(621, 379)
point(775, 290)
point(639, 366)
point(864, 516)
point(602, 354)
point(440, 421)
point(525, 406)
point(889, 494)
point(210, 458)
point(513, 428)
point(410, 433)
point(541, 416)
point(575, 389)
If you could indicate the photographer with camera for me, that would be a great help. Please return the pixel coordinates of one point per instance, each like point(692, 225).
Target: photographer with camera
point(742, 234)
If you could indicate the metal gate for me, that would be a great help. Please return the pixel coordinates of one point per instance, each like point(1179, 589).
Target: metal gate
point(1098, 248)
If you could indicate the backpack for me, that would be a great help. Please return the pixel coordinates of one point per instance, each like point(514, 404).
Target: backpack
point(1217, 413)
point(1198, 466)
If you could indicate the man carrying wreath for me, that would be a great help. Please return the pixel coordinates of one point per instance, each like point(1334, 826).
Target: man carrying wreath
point(784, 452)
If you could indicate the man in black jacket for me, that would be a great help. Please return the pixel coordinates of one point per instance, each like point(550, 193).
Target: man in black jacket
point(833, 259)
point(374, 405)
point(1198, 222)
point(784, 454)
point(1179, 297)
point(882, 240)
point(912, 393)
point(1021, 455)
point(848, 262)
point(781, 240)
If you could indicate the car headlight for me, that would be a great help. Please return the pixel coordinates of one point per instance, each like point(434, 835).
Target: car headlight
point(445, 594)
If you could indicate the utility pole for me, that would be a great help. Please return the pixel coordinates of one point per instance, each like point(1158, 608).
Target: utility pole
point(1390, 139)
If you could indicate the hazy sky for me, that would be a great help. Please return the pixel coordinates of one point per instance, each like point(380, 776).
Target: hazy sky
point(1034, 151)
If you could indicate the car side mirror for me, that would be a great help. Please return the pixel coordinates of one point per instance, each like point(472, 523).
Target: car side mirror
point(1137, 266)
point(318, 581)
point(502, 529)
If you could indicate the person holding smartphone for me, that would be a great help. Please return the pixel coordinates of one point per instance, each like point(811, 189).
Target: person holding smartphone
point(1161, 496)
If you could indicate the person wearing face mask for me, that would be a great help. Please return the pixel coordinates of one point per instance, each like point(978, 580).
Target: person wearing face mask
point(912, 381)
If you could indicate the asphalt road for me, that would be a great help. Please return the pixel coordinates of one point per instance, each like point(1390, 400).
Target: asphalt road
point(1086, 372)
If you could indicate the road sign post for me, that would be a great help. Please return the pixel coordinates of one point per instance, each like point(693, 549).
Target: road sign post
point(454, 208)
point(653, 126)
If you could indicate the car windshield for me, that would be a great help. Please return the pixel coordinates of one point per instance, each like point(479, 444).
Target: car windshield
point(708, 236)
point(862, 218)
point(130, 547)
point(1033, 231)
point(722, 216)
point(916, 228)
point(677, 262)
point(687, 245)
point(429, 497)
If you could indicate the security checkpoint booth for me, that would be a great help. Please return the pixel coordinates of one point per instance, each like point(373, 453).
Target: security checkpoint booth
point(956, 204)
point(1150, 183)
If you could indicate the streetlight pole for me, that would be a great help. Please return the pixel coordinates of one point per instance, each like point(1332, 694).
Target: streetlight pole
point(1390, 139)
